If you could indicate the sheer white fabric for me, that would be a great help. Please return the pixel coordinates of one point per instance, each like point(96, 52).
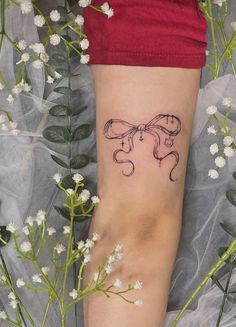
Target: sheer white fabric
point(26, 169)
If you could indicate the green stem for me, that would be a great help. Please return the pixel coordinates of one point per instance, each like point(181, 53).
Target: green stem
point(231, 249)
point(2, 23)
point(215, 49)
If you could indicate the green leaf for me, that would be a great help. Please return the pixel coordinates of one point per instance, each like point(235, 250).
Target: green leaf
point(63, 90)
point(77, 110)
point(231, 196)
point(62, 10)
point(57, 134)
point(82, 132)
point(59, 110)
point(66, 214)
point(68, 182)
point(5, 236)
point(228, 229)
point(79, 161)
point(59, 161)
point(231, 298)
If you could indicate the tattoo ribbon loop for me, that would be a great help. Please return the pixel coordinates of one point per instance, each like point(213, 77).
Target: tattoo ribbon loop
point(158, 126)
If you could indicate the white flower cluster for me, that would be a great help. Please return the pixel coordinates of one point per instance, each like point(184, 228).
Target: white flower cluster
point(25, 6)
point(227, 149)
point(219, 2)
point(107, 9)
point(8, 126)
point(84, 247)
point(84, 3)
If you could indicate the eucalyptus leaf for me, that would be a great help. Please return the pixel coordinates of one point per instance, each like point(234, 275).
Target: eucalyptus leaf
point(228, 229)
point(59, 161)
point(63, 90)
point(5, 236)
point(58, 57)
point(59, 110)
point(231, 196)
point(82, 132)
point(79, 161)
point(57, 134)
point(68, 182)
point(77, 110)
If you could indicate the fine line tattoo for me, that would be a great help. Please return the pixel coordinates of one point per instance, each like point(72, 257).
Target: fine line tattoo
point(163, 127)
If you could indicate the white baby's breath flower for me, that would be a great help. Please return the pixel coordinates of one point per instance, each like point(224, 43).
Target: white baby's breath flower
point(20, 282)
point(95, 199)
point(57, 177)
point(105, 6)
point(40, 217)
point(228, 140)
point(3, 279)
point(45, 270)
point(22, 45)
point(73, 294)
point(220, 161)
point(84, 44)
point(13, 304)
point(214, 149)
point(119, 248)
point(25, 230)
point(51, 231)
point(57, 75)
point(228, 151)
point(59, 248)
point(44, 57)
point(55, 39)
point(66, 230)
point(84, 195)
point(37, 47)
point(139, 302)
point(55, 15)
point(77, 178)
point(138, 285)
point(211, 110)
point(10, 98)
point(96, 237)
point(233, 25)
point(89, 243)
point(212, 173)
point(117, 283)
point(36, 278)
point(29, 220)
point(219, 2)
point(227, 102)
point(3, 315)
point(70, 191)
point(1, 86)
point(12, 227)
point(109, 13)
point(11, 296)
point(80, 245)
point(111, 259)
point(16, 89)
point(207, 52)
point(109, 269)
point(84, 3)
point(79, 20)
point(39, 20)
point(87, 258)
point(24, 58)
point(26, 6)
point(27, 88)
point(84, 59)
point(37, 64)
point(50, 79)
point(25, 247)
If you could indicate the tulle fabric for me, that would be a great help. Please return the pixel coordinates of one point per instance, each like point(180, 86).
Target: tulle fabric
point(26, 169)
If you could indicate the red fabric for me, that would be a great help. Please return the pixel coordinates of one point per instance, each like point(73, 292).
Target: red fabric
point(147, 33)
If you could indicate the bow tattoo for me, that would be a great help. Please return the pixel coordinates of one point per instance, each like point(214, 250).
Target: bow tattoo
point(163, 128)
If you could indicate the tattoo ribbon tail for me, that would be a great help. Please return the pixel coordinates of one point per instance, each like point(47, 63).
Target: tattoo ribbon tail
point(176, 155)
point(120, 161)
